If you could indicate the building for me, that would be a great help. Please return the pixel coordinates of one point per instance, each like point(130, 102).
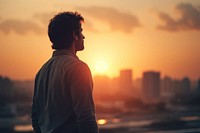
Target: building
point(177, 86)
point(185, 85)
point(182, 87)
point(126, 82)
point(167, 90)
point(6, 88)
point(151, 85)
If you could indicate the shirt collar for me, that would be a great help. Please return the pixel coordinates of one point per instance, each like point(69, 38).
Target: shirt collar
point(63, 52)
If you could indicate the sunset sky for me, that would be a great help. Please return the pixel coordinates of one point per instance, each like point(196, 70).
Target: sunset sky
point(142, 35)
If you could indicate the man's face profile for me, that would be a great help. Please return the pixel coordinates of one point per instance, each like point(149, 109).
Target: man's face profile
point(80, 41)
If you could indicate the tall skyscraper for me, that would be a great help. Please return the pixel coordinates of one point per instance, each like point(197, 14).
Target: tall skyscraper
point(126, 82)
point(177, 86)
point(185, 85)
point(167, 88)
point(151, 85)
point(6, 86)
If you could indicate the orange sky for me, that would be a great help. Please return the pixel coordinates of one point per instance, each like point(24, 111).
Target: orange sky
point(140, 35)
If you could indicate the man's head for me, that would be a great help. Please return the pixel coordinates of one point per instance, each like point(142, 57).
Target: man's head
point(64, 29)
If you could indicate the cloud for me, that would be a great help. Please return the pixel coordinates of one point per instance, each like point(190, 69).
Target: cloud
point(189, 19)
point(117, 21)
point(19, 26)
point(44, 17)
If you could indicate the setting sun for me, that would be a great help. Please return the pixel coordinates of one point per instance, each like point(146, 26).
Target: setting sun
point(101, 66)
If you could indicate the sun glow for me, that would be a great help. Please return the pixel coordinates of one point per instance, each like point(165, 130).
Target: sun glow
point(101, 66)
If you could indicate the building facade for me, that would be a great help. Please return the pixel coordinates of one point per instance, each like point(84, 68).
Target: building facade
point(151, 85)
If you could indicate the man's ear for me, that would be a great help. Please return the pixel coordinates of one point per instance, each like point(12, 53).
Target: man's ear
point(75, 35)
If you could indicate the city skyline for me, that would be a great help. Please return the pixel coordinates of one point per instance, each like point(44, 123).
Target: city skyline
point(150, 87)
point(103, 74)
point(139, 35)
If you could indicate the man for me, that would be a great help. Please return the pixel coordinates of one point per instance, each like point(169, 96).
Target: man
point(62, 101)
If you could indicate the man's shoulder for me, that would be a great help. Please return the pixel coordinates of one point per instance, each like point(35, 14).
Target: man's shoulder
point(64, 63)
point(80, 64)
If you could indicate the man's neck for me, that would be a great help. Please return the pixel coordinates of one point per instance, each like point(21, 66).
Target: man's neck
point(72, 50)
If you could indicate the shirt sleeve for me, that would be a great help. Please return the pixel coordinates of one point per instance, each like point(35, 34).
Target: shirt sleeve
point(34, 116)
point(82, 99)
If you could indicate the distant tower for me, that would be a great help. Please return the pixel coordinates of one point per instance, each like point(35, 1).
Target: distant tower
point(167, 87)
point(126, 82)
point(185, 85)
point(177, 86)
point(6, 87)
point(151, 85)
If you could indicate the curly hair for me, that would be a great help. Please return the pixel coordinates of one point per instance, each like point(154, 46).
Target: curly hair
point(61, 28)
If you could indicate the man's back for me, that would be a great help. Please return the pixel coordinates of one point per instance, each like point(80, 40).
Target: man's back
point(63, 95)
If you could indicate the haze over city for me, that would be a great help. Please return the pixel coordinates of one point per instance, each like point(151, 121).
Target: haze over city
point(139, 35)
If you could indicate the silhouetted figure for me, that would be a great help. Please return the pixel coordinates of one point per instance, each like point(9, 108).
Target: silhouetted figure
point(63, 101)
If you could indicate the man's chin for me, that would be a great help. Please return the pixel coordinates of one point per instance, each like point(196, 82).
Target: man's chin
point(80, 49)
